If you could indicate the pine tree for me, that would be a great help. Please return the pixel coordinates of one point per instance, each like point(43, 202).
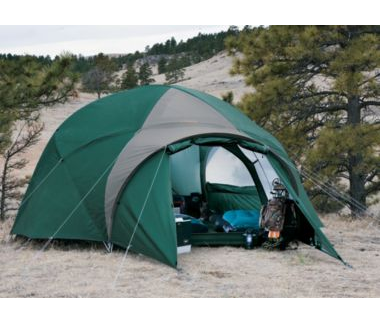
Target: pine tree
point(145, 74)
point(105, 63)
point(11, 186)
point(316, 88)
point(162, 65)
point(174, 72)
point(130, 78)
point(26, 85)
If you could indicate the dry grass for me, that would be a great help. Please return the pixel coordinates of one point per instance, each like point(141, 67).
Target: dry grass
point(83, 270)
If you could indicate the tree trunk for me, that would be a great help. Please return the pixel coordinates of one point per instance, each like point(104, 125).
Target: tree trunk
point(357, 188)
point(3, 188)
point(356, 177)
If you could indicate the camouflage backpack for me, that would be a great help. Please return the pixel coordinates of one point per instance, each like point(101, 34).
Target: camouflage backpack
point(272, 215)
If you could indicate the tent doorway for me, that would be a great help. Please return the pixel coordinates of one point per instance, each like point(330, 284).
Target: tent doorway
point(212, 183)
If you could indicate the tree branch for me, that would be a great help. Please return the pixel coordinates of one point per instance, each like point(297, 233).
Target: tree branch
point(317, 94)
point(343, 175)
point(370, 79)
point(26, 137)
point(372, 188)
point(20, 144)
point(60, 99)
point(312, 110)
point(372, 175)
point(369, 103)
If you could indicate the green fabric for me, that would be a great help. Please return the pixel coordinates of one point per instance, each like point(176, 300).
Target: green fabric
point(156, 233)
point(56, 201)
point(69, 183)
point(216, 140)
point(88, 141)
point(120, 113)
point(222, 198)
point(66, 195)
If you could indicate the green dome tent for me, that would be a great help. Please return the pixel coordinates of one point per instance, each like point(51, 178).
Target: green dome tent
point(106, 173)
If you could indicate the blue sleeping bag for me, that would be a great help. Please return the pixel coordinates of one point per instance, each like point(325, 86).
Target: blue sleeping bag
point(243, 219)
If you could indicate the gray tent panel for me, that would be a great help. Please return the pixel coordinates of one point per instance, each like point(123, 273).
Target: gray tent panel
point(184, 116)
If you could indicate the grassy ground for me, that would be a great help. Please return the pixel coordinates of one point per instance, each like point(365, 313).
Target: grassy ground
point(80, 270)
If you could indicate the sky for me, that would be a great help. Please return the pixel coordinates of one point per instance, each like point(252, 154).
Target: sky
point(90, 40)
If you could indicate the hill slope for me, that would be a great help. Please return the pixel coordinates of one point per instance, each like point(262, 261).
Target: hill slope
point(212, 76)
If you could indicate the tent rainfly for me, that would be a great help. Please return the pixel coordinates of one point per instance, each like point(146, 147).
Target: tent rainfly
point(108, 172)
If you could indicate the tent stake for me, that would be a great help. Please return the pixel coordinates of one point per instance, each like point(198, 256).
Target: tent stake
point(108, 245)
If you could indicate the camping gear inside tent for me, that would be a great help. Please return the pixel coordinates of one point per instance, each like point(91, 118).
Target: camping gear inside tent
point(110, 171)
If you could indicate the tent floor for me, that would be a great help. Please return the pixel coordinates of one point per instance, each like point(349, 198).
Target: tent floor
point(213, 238)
